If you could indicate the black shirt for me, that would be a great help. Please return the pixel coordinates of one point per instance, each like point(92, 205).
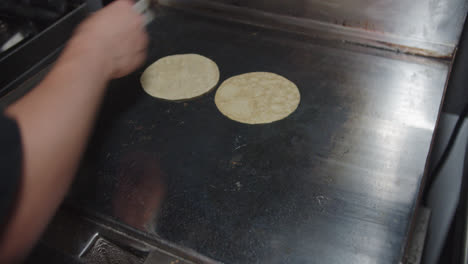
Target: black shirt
point(10, 166)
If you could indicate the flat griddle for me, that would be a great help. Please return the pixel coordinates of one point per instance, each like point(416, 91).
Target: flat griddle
point(335, 182)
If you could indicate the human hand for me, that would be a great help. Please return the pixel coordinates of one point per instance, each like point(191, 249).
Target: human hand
point(117, 35)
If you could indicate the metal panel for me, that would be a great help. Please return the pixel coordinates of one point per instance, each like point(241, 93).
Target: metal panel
point(335, 182)
point(430, 20)
point(79, 238)
point(423, 27)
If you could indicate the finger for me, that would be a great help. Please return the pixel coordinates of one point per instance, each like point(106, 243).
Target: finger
point(138, 40)
point(139, 20)
point(120, 7)
point(125, 2)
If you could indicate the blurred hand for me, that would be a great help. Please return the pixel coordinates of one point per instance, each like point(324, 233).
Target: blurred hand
point(118, 34)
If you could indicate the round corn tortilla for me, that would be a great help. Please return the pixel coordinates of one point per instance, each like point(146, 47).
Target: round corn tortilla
point(180, 77)
point(257, 98)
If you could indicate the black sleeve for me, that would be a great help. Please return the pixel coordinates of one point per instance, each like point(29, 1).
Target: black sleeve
point(10, 166)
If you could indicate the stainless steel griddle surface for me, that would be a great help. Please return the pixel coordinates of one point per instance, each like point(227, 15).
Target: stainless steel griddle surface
point(335, 182)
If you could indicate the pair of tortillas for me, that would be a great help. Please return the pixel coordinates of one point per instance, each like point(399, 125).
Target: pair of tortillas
point(251, 98)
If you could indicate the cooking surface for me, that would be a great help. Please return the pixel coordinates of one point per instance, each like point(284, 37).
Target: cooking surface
point(335, 182)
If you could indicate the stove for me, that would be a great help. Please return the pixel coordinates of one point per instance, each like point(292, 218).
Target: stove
point(32, 33)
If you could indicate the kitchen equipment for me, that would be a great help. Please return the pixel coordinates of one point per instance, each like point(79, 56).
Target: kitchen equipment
point(338, 181)
point(144, 7)
point(28, 43)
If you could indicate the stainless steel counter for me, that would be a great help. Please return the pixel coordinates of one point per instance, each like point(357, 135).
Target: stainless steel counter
point(335, 182)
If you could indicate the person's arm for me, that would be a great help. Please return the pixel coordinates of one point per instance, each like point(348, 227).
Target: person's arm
point(57, 116)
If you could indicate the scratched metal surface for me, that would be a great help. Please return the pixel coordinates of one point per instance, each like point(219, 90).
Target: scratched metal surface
point(335, 182)
point(426, 24)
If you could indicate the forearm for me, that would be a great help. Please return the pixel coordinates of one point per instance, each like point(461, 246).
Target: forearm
point(58, 114)
point(55, 120)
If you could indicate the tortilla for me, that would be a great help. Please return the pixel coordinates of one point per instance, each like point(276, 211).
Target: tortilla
point(180, 77)
point(257, 98)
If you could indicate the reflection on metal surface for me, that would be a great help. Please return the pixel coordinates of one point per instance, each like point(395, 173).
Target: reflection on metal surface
point(88, 245)
point(139, 189)
point(157, 257)
point(104, 252)
point(418, 238)
point(430, 20)
point(423, 27)
point(335, 182)
point(91, 241)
